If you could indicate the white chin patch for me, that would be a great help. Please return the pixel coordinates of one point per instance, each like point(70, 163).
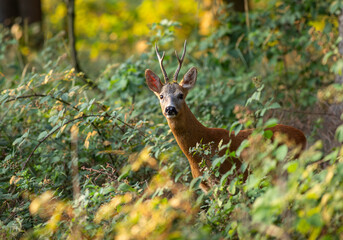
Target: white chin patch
point(170, 116)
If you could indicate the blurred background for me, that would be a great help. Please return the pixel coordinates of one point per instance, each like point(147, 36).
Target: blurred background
point(113, 30)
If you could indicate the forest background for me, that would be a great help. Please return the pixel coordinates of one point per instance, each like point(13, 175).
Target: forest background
point(86, 152)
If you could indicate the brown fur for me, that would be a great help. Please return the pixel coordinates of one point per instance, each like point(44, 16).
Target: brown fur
point(188, 131)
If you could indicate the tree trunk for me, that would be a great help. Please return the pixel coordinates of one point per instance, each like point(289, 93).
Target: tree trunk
point(238, 5)
point(71, 34)
point(28, 10)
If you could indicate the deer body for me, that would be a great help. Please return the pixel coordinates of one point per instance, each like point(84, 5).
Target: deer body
point(188, 131)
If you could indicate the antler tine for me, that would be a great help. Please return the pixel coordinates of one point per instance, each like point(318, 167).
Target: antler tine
point(180, 61)
point(160, 59)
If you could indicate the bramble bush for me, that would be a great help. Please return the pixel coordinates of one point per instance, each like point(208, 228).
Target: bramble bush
point(80, 161)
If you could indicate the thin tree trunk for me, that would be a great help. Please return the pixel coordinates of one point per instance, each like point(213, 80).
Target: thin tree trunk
point(72, 42)
point(71, 34)
point(239, 5)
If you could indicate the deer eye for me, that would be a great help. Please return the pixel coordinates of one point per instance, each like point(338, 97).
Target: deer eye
point(161, 96)
point(180, 96)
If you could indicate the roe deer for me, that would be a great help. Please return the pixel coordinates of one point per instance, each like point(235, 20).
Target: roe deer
point(188, 131)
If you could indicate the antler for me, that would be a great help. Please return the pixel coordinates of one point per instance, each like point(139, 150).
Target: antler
point(180, 61)
point(160, 59)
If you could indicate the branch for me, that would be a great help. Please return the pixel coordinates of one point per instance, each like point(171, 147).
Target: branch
point(48, 135)
point(75, 108)
point(64, 102)
point(41, 95)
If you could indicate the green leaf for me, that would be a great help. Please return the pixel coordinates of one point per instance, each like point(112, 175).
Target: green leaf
point(109, 189)
point(223, 179)
point(270, 123)
point(281, 152)
point(60, 113)
point(124, 187)
point(4, 97)
point(18, 140)
point(125, 172)
point(268, 134)
point(42, 135)
point(64, 97)
point(8, 157)
point(53, 119)
point(234, 125)
point(244, 144)
point(315, 220)
point(44, 99)
point(54, 129)
point(195, 183)
point(326, 57)
point(218, 161)
point(238, 128)
point(339, 134)
point(292, 166)
point(178, 176)
point(274, 105)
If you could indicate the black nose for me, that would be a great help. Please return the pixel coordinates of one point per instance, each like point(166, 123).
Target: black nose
point(171, 110)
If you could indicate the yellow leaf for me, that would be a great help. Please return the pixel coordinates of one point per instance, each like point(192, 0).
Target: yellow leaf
point(63, 127)
point(330, 174)
point(116, 152)
point(89, 135)
point(47, 77)
point(142, 158)
point(14, 180)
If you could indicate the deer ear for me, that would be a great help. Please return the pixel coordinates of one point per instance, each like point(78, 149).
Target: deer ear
point(189, 79)
point(153, 81)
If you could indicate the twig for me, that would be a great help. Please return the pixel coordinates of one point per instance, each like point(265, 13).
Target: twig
point(111, 176)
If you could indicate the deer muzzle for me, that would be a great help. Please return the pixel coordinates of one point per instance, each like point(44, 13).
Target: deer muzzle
point(170, 111)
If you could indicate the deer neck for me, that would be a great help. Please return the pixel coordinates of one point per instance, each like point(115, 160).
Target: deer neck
point(188, 131)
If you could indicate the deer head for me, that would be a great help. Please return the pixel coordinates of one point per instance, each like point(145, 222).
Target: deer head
point(171, 94)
